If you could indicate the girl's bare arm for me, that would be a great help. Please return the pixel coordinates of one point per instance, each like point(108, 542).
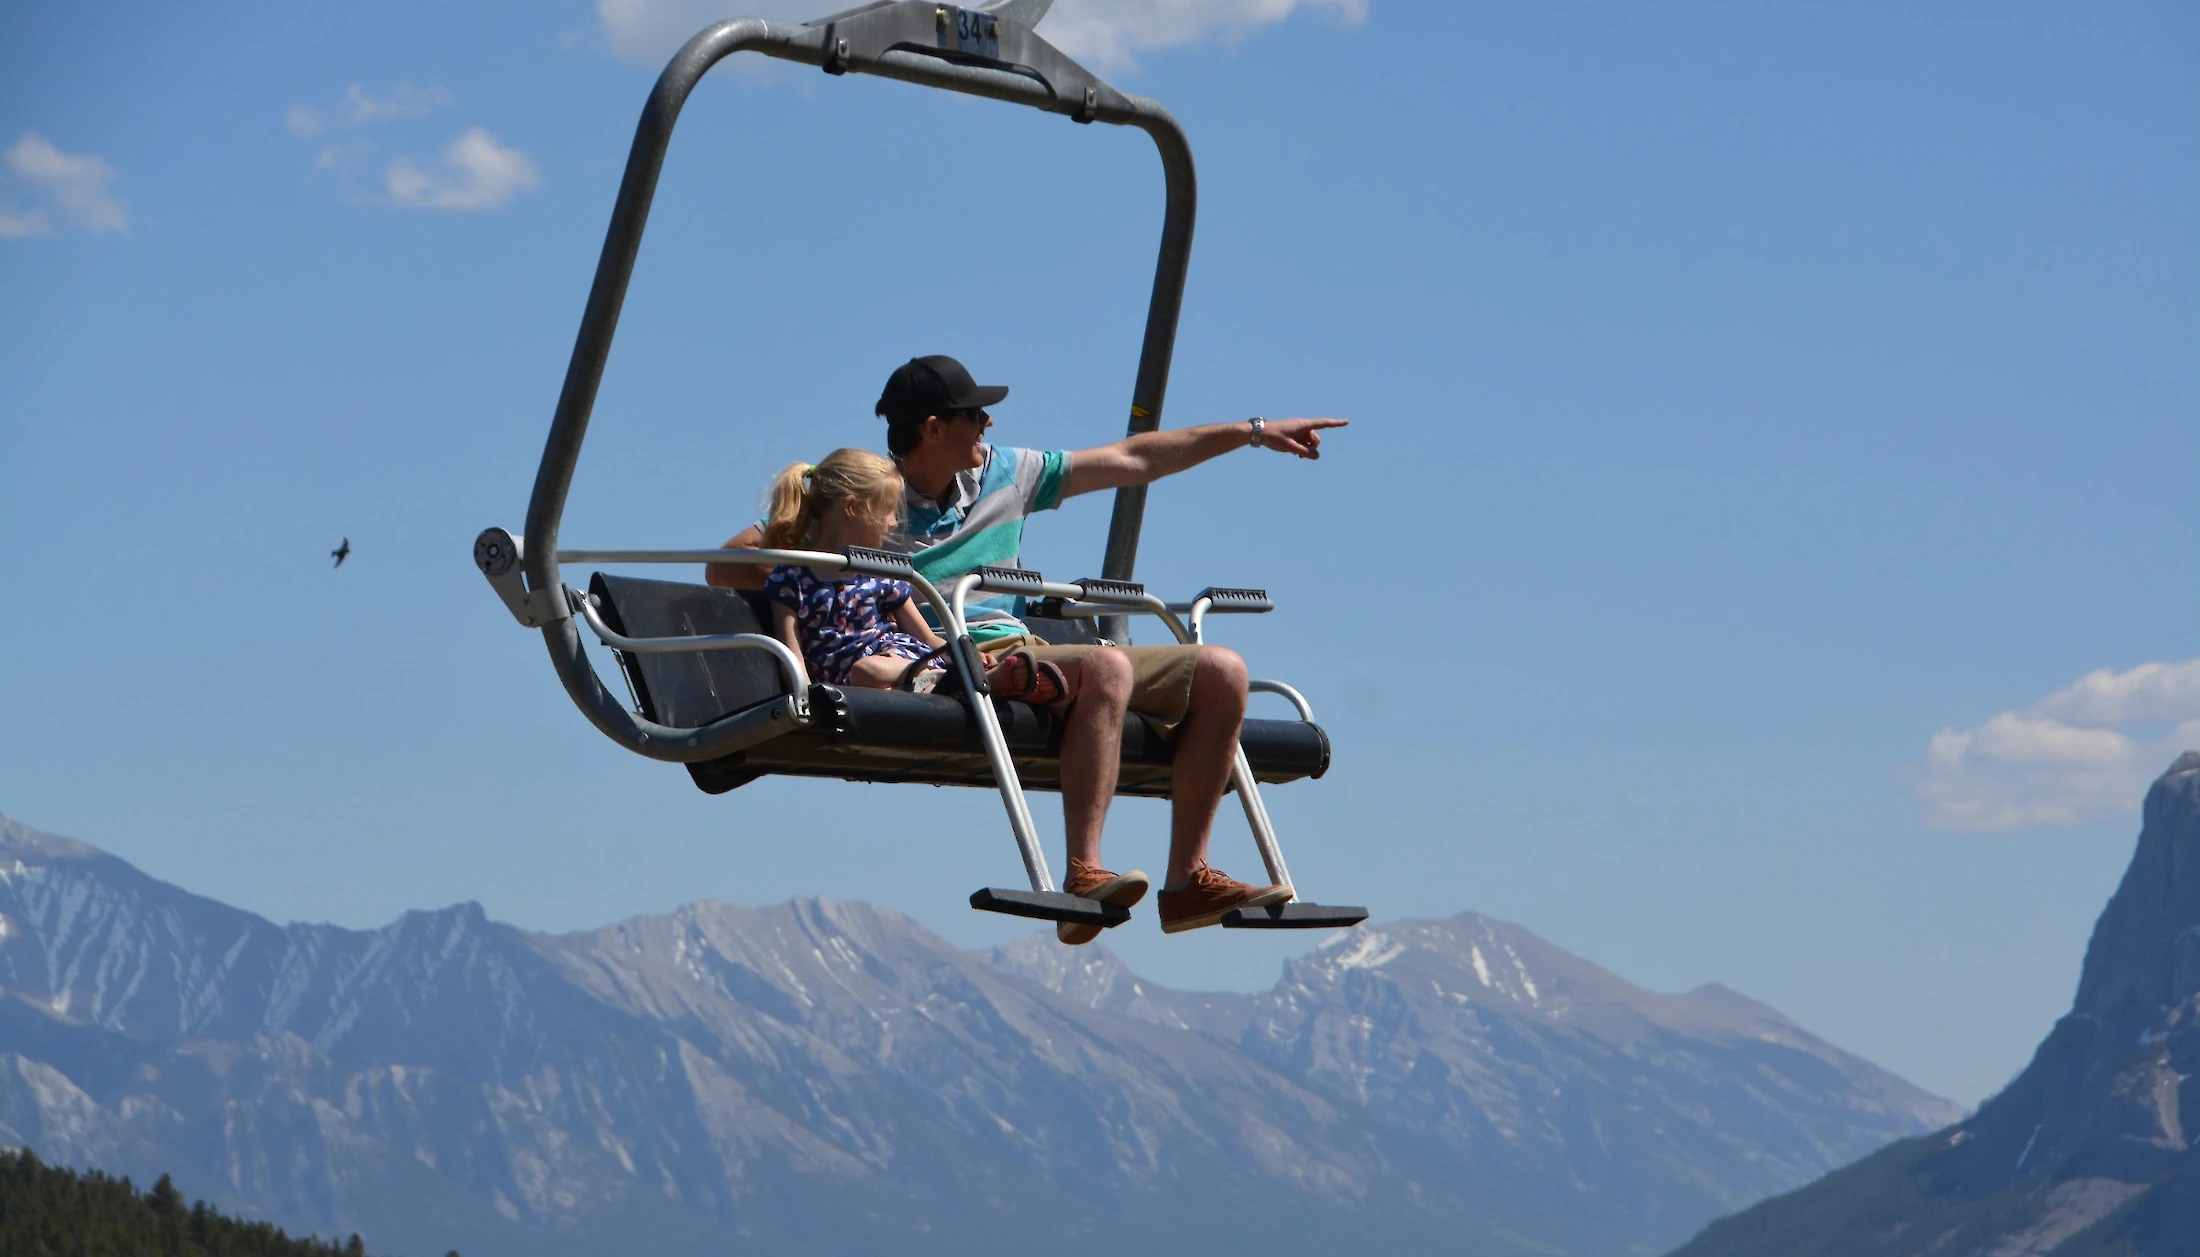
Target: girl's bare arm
point(911, 621)
point(783, 628)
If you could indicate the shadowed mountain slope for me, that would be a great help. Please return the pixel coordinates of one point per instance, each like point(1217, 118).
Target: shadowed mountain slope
point(830, 1077)
point(2089, 1152)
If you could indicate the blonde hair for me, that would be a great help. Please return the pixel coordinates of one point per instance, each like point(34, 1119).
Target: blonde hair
point(802, 493)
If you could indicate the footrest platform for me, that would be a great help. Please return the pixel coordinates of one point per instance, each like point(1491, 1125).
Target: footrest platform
point(1051, 905)
point(1294, 916)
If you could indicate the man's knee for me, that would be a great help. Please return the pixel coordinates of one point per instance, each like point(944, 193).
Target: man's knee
point(1107, 677)
point(1218, 677)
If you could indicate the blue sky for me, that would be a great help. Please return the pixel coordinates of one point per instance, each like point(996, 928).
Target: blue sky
point(1761, 553)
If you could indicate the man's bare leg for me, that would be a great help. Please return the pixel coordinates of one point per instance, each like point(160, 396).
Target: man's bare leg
point(1206, 750)
point(1092, 748)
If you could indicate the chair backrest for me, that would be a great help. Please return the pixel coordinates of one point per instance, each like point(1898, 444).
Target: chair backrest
point(688, 689)
point(1078, 632)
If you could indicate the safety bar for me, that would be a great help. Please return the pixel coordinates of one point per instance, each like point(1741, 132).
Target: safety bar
point(1093, 608)
point(1085, 599)
point(1241, 772)
point(853, 559)
point(1187, 633)
point(1099, 599)
point(996, 744)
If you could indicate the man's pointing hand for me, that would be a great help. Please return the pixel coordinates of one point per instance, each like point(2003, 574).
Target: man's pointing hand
point(1302, 437)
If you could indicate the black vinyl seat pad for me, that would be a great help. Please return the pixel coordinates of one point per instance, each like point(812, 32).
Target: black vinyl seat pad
point(876, 735)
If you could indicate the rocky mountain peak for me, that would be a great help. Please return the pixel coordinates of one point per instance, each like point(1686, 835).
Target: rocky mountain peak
point(2143, 965)
point(19, 841)
point(2091, 1150)
point(2105, 1094)
point(1466, 959)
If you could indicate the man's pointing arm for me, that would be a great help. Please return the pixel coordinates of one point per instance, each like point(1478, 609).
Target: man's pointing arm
point(1148, 456)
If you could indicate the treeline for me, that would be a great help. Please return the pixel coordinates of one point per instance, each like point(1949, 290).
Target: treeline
point(46, 1211)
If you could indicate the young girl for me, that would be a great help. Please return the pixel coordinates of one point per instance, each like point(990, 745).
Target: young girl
point(863, 630)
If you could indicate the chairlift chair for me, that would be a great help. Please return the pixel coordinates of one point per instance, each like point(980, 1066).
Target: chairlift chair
point(712, 690)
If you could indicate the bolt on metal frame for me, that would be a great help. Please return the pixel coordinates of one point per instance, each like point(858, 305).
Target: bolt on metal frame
point(975, 52)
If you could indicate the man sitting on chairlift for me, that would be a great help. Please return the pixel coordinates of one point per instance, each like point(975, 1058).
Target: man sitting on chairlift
point(965, 502)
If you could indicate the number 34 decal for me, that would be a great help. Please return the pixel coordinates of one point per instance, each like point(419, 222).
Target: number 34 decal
point(975, 34)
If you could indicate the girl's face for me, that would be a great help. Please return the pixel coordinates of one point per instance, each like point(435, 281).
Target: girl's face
point(866, 523)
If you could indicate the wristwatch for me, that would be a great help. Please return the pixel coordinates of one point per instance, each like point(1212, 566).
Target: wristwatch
point(1260, 425)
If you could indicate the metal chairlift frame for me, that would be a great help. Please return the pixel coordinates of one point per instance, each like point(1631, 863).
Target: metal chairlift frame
point(978, 52)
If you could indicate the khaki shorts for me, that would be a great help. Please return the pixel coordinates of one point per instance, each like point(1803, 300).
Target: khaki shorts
point(1161, 676)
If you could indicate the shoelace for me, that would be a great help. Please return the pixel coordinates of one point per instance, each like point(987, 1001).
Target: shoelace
point(1206, 876)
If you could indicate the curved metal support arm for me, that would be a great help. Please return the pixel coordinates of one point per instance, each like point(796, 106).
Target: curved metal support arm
point(790, 667)
point(1296, 699)
point(1195, 618)
point(760, 723)
point(1186, 634)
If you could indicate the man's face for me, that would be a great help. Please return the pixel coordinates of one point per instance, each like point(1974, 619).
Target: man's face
point(960, 435)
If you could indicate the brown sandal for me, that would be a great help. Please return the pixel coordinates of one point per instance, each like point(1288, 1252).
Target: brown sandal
point(1044, 685)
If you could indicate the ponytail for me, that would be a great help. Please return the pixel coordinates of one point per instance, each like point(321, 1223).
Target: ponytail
point(803, 492)
point(792, 509)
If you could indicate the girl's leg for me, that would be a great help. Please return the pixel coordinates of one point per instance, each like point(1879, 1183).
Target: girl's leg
point(878, 672)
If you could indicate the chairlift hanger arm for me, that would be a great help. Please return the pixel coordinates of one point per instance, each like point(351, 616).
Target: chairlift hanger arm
point(1019, 68)
point(986, 52)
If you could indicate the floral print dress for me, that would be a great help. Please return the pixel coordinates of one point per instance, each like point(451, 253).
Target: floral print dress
point(841, 621)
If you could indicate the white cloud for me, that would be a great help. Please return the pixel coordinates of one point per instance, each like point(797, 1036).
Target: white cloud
point(2085, 750)
point(1108, 34)
point(1111, 33)
point(405, 100)
point(478, 174)
point(360, 107)
point(2151, 691)
point(77, 185)
point(304, 123)
point(14, 226)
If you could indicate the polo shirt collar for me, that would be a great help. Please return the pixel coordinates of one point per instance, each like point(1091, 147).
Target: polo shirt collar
point(961, 492)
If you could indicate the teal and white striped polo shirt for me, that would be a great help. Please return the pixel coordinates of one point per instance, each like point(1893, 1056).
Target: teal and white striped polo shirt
point(979, 522)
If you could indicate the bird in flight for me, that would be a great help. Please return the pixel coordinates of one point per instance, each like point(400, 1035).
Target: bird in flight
point(341, 552)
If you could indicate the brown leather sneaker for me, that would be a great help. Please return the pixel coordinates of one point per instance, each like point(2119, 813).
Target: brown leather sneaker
point(1089, 882)
point(1208, 896)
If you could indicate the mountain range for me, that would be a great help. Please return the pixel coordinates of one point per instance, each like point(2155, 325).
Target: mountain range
point(2089, 1153)
point(825, 1077)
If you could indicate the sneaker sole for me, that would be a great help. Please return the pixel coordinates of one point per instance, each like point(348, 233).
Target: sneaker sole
point(1125, 891)
point(1266, 898)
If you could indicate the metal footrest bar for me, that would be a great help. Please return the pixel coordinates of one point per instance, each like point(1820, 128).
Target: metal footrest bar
point(1294, 916)
point(1051, 905)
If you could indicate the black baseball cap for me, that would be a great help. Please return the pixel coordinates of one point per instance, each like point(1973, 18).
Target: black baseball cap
point(934, 385)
